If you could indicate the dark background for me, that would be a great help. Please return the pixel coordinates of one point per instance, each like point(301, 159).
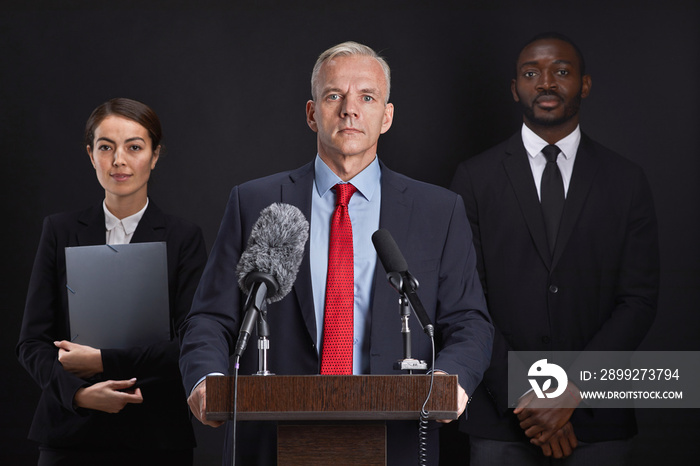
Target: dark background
point(230, 81)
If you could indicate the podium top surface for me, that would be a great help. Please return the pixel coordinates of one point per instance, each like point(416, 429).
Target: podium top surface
point(331, 397)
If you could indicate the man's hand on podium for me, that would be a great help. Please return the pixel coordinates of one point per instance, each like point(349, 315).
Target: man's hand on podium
point(198, 404)
point(462, 399)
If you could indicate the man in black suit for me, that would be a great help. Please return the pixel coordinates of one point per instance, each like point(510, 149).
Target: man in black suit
point(349, 111)
point(567, 250)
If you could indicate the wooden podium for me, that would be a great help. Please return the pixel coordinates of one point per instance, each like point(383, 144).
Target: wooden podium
point(331, 419)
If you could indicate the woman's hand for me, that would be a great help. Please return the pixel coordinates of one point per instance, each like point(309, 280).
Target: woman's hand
point(110, 396)
point(83, 361)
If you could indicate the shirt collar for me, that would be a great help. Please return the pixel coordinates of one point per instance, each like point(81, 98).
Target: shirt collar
point(534, 144)
point(129, 223)
point(366, 181)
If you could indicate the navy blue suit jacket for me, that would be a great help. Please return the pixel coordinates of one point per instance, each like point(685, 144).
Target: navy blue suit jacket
point(162, 420)
point(598, 291)
point(430, 227)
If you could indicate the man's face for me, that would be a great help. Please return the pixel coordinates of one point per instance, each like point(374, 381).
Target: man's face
point(549, 85)
point(349, 111)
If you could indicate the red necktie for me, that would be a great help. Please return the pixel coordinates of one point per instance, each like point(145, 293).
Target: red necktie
point(336, 355)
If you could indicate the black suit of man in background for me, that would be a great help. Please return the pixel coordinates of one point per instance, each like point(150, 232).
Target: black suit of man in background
point(595, 289)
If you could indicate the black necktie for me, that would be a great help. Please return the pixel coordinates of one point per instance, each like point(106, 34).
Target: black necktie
point(552, 194)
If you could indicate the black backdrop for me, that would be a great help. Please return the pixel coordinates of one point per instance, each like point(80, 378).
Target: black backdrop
point(230, 81)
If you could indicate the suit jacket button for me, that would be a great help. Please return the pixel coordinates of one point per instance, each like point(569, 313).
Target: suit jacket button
point(553, 289)
point(546, 339)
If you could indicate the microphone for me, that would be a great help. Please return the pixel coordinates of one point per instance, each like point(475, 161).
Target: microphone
point(268, 266)
point(398, 275)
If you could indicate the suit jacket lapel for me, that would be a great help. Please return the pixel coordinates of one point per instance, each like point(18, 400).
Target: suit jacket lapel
point(91, 231)
point(585, 168)
point(297, 192)
point(395, 216)
point(520, 174)
point(396, 208)
point(151, 227)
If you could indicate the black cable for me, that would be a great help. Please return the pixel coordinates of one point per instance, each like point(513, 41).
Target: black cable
point(235, 411)
point(423, 423)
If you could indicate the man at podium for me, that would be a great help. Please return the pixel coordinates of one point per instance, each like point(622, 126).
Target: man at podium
point(341, 317)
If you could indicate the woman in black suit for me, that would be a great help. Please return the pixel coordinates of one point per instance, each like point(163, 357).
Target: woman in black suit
point(101, 405)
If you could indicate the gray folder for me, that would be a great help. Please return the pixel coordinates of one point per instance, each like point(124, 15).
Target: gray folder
point(118, 294)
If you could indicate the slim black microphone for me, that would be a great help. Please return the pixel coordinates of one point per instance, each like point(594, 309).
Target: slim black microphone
point(398, 275)
point(268, 267)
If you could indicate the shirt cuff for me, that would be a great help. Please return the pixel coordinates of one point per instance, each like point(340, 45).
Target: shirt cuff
point(202, 380)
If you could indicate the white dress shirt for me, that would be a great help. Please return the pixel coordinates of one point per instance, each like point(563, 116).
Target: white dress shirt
point(121, 231)
point(565, 161)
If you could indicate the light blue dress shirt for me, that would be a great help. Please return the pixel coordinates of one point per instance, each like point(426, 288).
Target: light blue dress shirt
point(364, 215)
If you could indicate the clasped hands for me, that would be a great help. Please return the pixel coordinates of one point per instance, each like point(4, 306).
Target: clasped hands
point(110, 396)
point(546, 421)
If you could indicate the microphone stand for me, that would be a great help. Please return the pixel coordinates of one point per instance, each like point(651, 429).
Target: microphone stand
point(263, 342)
point(408, 363)
point(261, 284)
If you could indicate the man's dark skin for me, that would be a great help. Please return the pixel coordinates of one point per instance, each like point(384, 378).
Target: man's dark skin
point(549, 85)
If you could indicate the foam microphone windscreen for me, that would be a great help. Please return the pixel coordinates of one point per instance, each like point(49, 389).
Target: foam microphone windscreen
point(276, 247)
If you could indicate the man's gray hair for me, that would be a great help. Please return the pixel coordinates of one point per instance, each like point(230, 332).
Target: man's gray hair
point(347, 49)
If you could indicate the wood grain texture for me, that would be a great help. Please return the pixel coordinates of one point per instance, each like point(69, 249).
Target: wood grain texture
point(331, 443)
point(331, 397)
